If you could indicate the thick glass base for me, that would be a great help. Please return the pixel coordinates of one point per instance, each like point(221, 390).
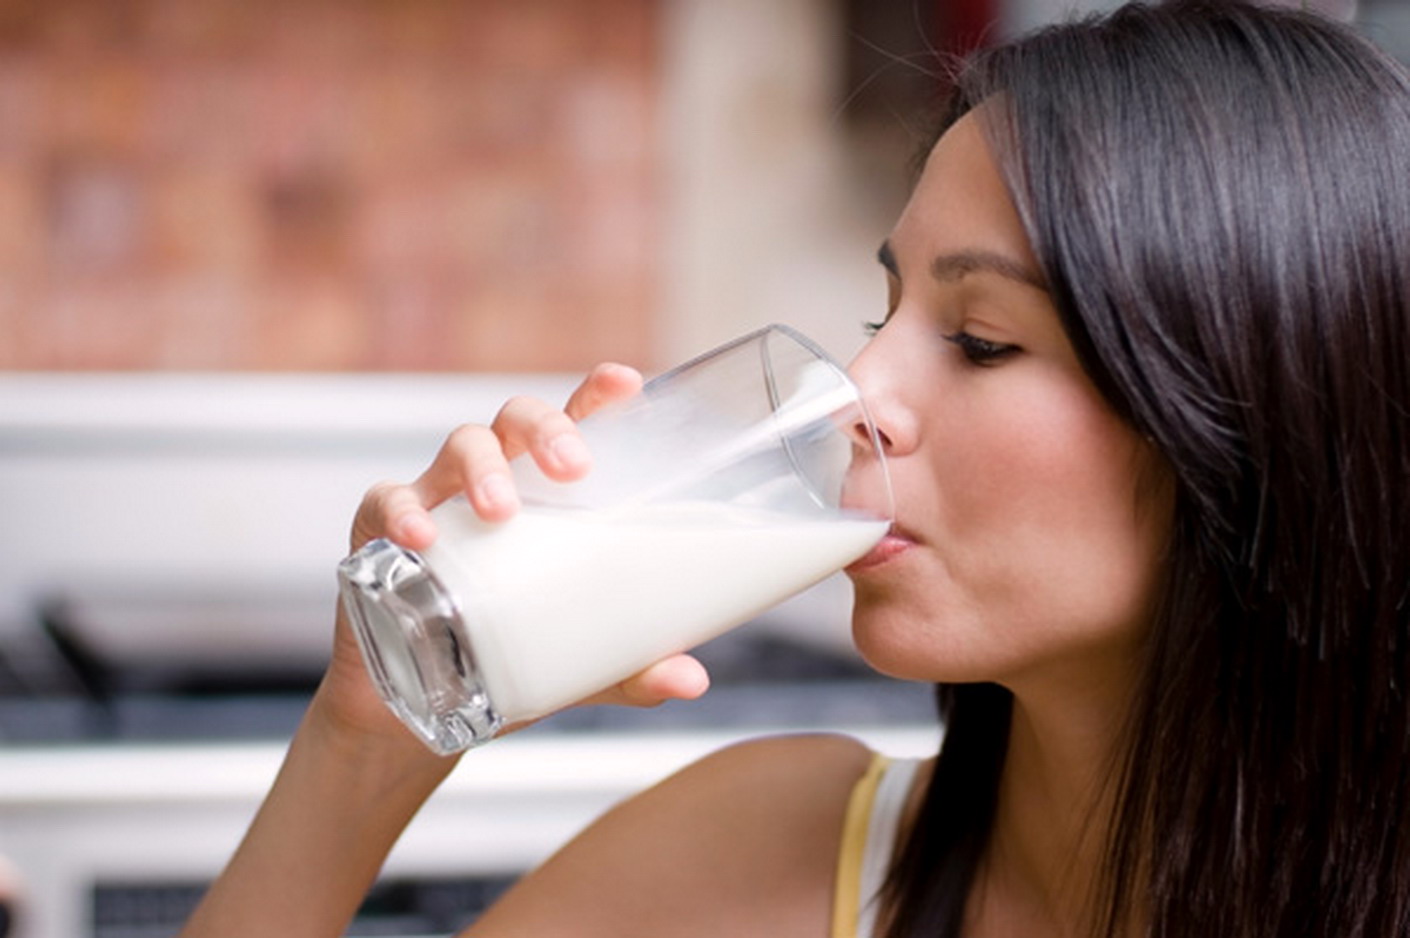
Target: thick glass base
point(414, 643)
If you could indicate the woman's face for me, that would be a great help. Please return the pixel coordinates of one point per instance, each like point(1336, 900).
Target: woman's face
point(1030, 519)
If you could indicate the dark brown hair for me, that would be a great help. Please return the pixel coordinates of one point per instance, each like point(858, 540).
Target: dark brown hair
point(1219, 196)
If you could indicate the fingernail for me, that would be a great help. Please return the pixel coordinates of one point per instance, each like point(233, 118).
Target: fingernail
point(497, 491)
point(569, 451)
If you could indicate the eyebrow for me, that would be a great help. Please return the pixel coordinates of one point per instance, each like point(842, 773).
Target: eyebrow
point(956, 265)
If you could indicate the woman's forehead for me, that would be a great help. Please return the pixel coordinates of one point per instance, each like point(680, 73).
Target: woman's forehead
point(961, 203)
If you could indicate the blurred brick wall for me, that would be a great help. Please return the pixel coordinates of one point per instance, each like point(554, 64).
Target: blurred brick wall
point(326, 184)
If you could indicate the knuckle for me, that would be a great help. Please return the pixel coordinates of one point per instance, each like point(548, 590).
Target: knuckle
point(380, 493)
point(552, 425)
point(374, 508)
point(465, 439)
point(530, 419)
point(518, 407)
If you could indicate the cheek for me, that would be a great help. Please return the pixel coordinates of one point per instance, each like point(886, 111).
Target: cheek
point(1003, 447)
point(1044, 504)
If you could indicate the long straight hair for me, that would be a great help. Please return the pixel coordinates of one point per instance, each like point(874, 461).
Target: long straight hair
point(1219, 197)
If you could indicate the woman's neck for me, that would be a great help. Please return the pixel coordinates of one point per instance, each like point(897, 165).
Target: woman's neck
point(1042, 870)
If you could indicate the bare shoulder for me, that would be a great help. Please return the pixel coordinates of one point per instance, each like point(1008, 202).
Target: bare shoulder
point(743, 842)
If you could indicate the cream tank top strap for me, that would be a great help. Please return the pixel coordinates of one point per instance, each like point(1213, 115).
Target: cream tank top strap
point(868, 841)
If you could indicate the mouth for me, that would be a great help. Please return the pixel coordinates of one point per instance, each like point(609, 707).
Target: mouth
point(896, 542)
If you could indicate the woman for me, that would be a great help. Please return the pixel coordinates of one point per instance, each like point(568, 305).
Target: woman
point(1142, 383)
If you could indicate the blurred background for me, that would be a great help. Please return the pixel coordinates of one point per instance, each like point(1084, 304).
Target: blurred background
point(255, 256)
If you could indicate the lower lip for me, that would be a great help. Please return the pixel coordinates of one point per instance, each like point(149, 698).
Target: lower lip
point(890, 547)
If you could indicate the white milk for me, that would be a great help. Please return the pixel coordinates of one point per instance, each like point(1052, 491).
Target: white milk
point(561, 603)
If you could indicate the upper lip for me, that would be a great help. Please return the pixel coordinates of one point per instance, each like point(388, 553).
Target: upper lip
point(899, 530)
point(866, 507)
point(864, 492)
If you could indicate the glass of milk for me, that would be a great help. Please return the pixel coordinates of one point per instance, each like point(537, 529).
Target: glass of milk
point(715, 493)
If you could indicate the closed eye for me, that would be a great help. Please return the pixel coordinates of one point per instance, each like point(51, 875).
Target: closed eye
point(981, 351)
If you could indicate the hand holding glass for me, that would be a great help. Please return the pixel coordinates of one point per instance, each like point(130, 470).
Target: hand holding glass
point(715, 493)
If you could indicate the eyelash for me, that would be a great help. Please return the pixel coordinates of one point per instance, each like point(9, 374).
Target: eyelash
point(976, 350)
point(980, 351)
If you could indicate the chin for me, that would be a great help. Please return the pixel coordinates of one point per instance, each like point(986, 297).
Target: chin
point(912, 646)
point(887, 644)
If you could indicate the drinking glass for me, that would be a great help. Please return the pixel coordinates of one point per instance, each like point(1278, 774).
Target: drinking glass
point(717, 492)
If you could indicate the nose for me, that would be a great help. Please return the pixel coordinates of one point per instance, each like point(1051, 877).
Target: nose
point(880, 379)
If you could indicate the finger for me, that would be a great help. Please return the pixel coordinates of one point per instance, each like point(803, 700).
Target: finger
point(679, 677)
point(473, 461)
point(547, 433)
point(605, 384)
point(393, 511)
